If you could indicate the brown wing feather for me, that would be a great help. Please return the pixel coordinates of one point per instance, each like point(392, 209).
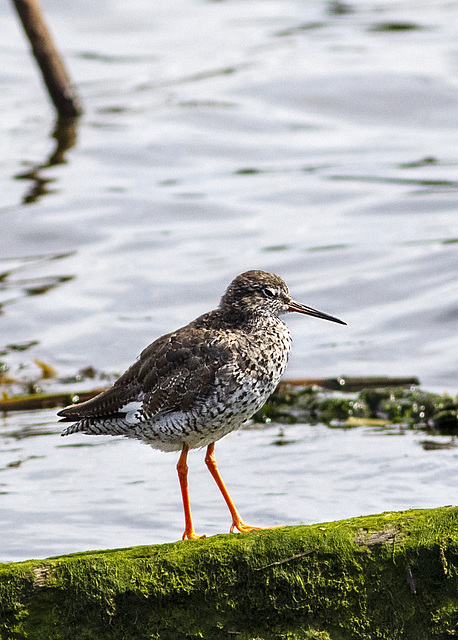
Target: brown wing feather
point(171, 374)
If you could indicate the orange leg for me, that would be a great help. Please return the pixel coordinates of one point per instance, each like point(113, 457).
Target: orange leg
point(182, 469)
point(237, 521)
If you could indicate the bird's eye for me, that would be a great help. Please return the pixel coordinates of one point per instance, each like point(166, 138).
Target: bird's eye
point(269, 293)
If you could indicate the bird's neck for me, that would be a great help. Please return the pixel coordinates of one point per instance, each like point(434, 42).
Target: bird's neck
point(248, 320)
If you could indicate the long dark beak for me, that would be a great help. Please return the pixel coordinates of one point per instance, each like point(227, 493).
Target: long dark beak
point(301, 308)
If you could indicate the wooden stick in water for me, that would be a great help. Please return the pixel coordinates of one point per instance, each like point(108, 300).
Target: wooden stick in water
point(55, 75)
point(344, 383)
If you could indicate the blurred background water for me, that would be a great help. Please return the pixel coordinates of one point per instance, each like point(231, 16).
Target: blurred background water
point(314, 139)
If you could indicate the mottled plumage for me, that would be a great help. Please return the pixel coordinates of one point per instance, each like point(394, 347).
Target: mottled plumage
point(191, 387)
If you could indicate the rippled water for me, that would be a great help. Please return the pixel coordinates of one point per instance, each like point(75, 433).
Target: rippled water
point(314, 139)
point(61, 495)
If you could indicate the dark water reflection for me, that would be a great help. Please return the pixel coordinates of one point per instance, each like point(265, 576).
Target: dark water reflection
point(317, 140)
point(65, 136)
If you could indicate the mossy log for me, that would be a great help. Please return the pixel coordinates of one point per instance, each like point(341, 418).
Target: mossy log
point(391, 576)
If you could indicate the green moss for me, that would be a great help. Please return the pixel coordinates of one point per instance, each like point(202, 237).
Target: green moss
point(410, 407)
point(387, 576)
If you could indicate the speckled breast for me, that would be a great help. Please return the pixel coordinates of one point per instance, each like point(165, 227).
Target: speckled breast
point(241, 387)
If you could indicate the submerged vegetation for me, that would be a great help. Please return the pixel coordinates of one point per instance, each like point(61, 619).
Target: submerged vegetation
point(412, 407)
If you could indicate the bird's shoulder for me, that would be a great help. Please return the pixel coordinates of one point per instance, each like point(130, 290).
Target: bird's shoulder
point(195, 350)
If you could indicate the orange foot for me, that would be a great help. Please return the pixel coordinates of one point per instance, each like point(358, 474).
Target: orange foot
point(242, 527)
point(191, 535)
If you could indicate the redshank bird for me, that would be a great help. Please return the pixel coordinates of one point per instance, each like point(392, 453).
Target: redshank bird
point(191, 387)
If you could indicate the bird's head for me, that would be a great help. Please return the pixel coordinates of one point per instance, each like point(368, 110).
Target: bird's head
point(263, 293)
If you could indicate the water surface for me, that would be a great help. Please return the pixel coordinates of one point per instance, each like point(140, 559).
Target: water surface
point(60, 495)
point(219, 137)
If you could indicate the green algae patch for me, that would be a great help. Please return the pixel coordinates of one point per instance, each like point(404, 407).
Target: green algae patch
point(388, 576)
point(410, 407)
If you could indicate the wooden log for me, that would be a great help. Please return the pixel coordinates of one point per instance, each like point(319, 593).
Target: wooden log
point(392, 576)
point(35, 401)
point(351, 384)
point(51, 65)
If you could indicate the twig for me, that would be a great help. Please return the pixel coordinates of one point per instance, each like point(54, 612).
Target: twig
point(298, 555)
point(55, 75)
